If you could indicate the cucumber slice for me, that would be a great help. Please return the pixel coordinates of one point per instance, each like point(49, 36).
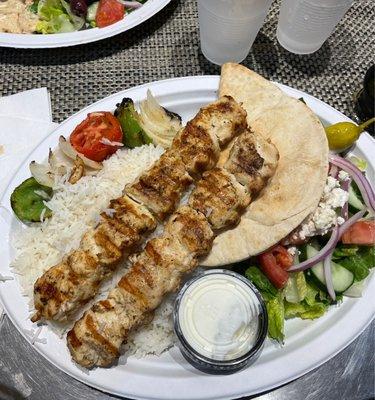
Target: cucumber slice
point(91, 11)
point(354, 200)
point(311, 251)
point(341, 277)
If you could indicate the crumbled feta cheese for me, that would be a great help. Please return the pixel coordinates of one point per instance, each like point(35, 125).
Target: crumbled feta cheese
point(330, 184)
point(325, 216)
point(343, 175)
point(337, 198)
point(292, 250)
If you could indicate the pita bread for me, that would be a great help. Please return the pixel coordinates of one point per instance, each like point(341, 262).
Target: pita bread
point(296, 188)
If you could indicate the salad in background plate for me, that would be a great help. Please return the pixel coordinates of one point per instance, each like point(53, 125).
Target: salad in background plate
point(61, 16)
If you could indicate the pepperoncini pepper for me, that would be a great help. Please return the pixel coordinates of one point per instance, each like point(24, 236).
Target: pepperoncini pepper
point(343, 134)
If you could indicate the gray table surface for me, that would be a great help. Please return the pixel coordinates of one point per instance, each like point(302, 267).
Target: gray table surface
point(168, 46)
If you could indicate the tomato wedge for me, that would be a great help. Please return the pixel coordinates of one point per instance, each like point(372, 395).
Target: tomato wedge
point(361, 233)
point(283, 258)
point(87, 137)
point(109, 12)
point(274, 264)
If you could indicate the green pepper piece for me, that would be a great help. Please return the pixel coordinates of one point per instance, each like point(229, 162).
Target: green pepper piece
point(133, 134)
point(343, 134)
point(27, 204)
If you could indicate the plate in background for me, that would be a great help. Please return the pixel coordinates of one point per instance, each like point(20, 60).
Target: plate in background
point(38, 41)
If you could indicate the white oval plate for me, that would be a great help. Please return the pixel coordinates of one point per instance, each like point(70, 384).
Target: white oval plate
point(308, 343)
point(36, 41)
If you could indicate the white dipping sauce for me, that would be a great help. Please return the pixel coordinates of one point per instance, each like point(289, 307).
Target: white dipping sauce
point(218, 317)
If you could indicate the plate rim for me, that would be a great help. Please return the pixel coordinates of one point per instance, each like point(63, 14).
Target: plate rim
point(57, 40)
point(211, 80)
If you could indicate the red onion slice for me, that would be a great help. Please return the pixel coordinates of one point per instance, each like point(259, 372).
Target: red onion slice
point(328, 275)
point(333, 171)
point(330, 246)
point(361, 181)
point(108, 142)
point(321, 255)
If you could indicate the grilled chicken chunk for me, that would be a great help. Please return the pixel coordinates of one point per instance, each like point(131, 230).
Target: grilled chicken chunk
point(213, 127)
point(183, 227)
point(160, 188)
point(60, 291)
point(97, 337)
point(217, 202)
point(220, 198)
point(252, 160)
point(224, 116)
point(64, 288)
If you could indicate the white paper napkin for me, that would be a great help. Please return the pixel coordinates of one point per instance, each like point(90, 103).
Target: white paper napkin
point(32, 104)
point(25, 120)
point(17, 139)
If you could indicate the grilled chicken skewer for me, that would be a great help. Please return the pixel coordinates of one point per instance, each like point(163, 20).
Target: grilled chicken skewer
point(61, 291)
point(217, 202)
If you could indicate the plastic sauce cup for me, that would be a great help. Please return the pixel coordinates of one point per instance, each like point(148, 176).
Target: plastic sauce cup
point(220, 320)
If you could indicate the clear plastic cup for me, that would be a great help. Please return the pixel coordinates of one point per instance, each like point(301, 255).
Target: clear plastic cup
point(228, 28)
point(304, 25)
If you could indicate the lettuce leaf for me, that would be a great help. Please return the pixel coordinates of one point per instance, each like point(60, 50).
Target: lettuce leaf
point(367, 254)
point(57, 24)
point(314, 305)
point(298, 299)
point(275, 310)
point(274, 300)
point(77, 21)
point(296, 288)
point(304, 311)
point(360, 263)
point(56, 17)
point(342, 251)
point(256, 276)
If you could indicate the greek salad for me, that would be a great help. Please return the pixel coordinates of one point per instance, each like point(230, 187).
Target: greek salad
point(61, 16)
point(330, 255)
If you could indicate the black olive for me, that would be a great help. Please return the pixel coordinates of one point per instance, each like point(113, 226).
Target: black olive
point(79, 7)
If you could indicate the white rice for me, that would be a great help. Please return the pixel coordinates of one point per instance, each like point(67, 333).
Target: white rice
point(75, 208)
point(156, 337)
